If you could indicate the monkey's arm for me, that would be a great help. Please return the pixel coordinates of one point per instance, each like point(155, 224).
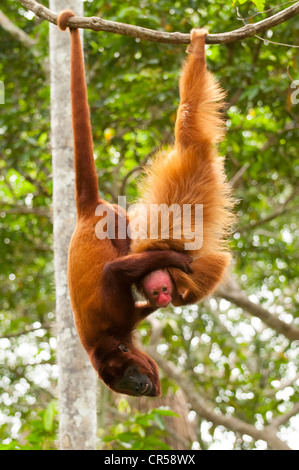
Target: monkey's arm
point(143, 309)
point(129, 269)
point(120, 274)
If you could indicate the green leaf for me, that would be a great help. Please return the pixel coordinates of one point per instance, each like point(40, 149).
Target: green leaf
point(159, 421)
point(128, 436)
point(48, 416)
point(123, 406)
point(260, 4)
point(164, 412)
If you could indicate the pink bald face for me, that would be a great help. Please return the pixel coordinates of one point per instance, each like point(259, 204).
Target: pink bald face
point(158, 287)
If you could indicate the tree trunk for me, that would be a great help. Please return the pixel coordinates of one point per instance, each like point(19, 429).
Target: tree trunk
point(77, 379)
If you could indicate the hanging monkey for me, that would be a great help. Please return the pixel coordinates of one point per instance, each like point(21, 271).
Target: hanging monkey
point(102, 272)
point(190, 174)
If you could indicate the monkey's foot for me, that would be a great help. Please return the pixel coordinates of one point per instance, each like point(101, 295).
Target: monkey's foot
point(184, 294)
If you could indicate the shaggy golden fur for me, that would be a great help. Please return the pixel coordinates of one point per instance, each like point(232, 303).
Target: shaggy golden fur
point(192, 173)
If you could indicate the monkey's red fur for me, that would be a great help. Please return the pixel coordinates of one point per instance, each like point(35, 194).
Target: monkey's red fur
point(192, 173)
point(100, 272)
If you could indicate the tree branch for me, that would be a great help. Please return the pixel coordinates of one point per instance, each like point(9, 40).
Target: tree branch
point(283, 384)
point(232, 292)
point(28, 329)
point(282, 419)
point(22, 209)
point(98, 24)
point(204, 409)
point(263, 39)
point(280, 210)
point(237, 177)
point(16, 32)
point(24, 38)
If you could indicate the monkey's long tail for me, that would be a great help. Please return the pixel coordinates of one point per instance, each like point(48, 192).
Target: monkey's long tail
point(86, 176)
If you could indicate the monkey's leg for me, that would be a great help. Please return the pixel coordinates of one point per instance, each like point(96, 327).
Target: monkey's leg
point(207, 274)
point(198, 121)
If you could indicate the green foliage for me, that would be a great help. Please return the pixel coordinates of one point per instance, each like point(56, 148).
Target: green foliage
point(140, 431)
point(260, 4)
point(38, 434)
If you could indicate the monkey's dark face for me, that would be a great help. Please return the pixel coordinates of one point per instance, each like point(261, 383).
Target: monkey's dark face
point(134, 383)
point(132, 372)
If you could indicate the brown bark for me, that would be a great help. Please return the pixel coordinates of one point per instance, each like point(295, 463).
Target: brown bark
point(99, 24)
point(77, 379)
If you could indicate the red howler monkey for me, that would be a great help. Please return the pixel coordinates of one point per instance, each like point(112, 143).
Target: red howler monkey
point(191, 173)
point(100, 272)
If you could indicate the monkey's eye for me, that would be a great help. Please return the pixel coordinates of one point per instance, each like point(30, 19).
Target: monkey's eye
point(164, 289)
point(155, 292)
point(123, 348)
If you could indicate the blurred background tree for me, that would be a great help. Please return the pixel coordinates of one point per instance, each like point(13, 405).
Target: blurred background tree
point(228, 365)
